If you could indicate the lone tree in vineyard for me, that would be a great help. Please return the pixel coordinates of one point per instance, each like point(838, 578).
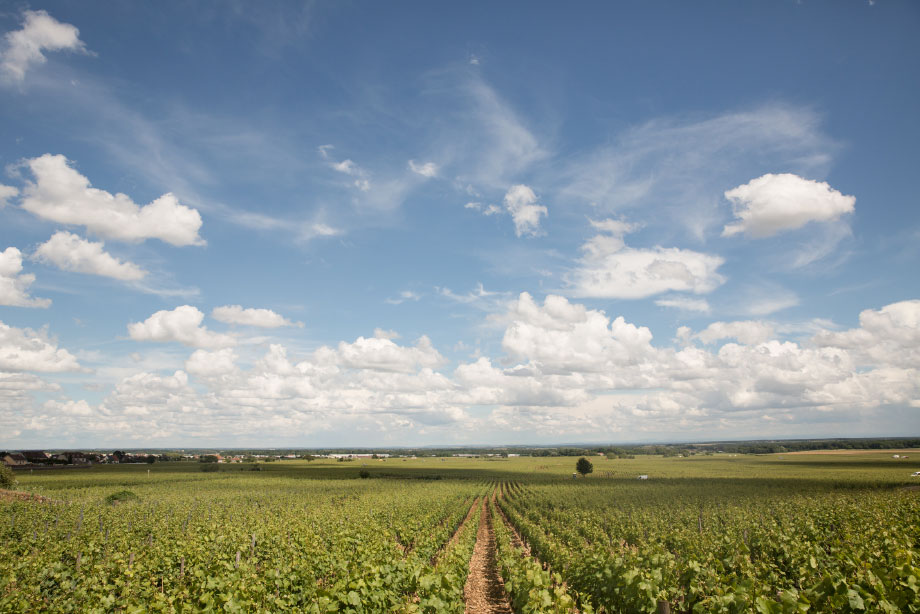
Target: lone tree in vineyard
point(584, 466)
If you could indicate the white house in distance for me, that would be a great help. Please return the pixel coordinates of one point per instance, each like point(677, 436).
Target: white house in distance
point(357, 455)
point(14, 459)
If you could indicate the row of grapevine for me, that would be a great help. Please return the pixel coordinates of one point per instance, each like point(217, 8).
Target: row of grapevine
point(533, 590)
point(441, 590)
point(235, 541)
point(237, 545)
point(623, 547)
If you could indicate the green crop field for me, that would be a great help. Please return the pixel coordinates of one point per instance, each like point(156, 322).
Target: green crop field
point(708, 533)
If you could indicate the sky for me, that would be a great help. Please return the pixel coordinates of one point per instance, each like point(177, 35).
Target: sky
point(367, 224)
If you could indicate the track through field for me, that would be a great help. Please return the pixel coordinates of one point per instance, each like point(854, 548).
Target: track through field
point(484, 592)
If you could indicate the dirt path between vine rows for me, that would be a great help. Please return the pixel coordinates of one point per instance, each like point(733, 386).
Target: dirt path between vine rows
point(484, 592)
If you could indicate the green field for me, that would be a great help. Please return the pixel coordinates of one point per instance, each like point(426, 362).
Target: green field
point(719, 533)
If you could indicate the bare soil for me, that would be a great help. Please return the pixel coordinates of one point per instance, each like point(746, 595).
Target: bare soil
point(14, 495)
point(484, 592)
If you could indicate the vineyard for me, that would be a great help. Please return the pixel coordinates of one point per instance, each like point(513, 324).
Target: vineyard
point(714, 534)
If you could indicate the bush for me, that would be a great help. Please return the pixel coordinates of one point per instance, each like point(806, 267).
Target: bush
point(122, 496)
point(364, 474)
point(7, 479)
point(210, 467)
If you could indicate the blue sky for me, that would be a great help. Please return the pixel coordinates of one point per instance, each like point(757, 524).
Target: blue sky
point(360, 224)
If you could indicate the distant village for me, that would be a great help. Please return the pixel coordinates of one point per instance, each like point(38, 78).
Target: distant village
point(41, 459)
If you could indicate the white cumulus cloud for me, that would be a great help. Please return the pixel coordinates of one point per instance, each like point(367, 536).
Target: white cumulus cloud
point(264, 318)
point(23, 349)
point(346, 166)
point(887, 336)
point(772, 204)
point(611, 269)
point(40, 32)
point(567, 370)
point(564, 337)
point(69, 408)
point(148, 394)
point(182, 324)
point(69, 252)
point(748, 332)
point(521, 203)
point(14, 285)
point(382, 354)
point(63, 195)
point(210, 364)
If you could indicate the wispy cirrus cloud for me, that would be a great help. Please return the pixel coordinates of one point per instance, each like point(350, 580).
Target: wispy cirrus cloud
point(495, 146)
point(405, 295)
point(427, 169)
point(683, 165)
point(6, 193)
point(761, 298)
point(359, 176)
point(684, 303)
point(182, 151)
